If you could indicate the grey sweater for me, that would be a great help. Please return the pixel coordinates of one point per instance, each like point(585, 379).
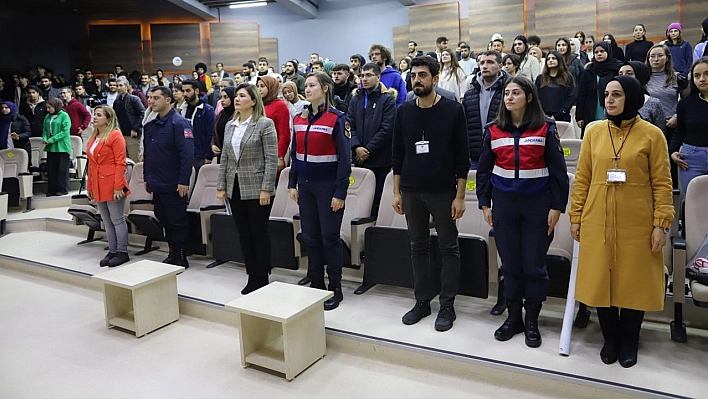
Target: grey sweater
point(668, 96)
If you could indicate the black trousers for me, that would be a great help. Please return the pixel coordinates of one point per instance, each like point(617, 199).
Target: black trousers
point(521, 232)
point(57, 172)
point(251, 219)
point(418, 208)
point(171, 211)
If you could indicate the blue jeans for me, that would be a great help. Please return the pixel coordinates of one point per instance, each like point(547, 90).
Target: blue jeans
point(113, 215)
point(697, 160)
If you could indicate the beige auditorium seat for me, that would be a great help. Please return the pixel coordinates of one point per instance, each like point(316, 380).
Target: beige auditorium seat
point(571, 152)
point(3, 208)
point(696, 228)
point(17, 180)
point(39, 156)
point(78, 158)
point(357, 214)
point(202, 204)
point(565, 130)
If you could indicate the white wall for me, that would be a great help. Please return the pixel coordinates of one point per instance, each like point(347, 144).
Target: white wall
point(342, 27)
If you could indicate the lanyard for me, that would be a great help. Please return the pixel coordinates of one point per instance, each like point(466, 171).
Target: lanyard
point(615, 151)
point(417, 103)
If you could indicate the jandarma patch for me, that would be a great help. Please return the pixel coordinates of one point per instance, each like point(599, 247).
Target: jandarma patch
point(188, 134)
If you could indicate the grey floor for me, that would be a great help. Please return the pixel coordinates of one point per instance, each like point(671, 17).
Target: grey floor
point(58, 332)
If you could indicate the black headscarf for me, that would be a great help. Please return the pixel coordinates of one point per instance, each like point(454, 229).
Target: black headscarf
point(607, 67)
point(633, 99)
point(224, 116)
point(641, 72)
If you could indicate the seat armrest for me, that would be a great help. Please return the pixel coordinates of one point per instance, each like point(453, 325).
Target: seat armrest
point(679, 272)
point(26, 184)
point(363, 220)
point(679, 243)
point(676, 191)
point(296, 216)
point(141, 202)
point(25, 174)
point(491, 233)
point(212, 208)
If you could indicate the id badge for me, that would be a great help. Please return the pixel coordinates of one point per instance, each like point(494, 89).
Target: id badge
point(616, 176)
point(422, 147)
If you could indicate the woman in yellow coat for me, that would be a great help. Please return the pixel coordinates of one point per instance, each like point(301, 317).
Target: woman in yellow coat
point(621, 208)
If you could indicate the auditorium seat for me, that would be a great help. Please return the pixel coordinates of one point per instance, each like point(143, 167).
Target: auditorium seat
point(387, 247)
point(84, 211)
point(357, 215)
point(39, 157)
point(141, 215)
point(565, 130)
point(560, 253)
point(78, 159)
point(282, 229)
point(695, 228)
point(571, 152)
point(3, 207)
point(17, 180)
point(202, 204)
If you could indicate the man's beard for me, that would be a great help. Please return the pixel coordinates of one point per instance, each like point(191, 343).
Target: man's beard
point(422, 91)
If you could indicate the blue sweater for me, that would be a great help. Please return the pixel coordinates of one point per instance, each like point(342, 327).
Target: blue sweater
point(393, 80)
point(682, 56)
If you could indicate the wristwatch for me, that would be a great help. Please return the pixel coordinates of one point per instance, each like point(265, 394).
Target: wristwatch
point(664, 229)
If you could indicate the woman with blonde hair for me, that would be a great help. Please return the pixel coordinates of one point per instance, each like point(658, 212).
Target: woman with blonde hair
point(249, 163)
point(107, 184)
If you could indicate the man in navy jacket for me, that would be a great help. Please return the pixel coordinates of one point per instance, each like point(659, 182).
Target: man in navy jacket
point(167, 167)
point(372, 112)
point(202, 117)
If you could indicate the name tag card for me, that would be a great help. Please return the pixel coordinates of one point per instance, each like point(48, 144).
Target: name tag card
point(616, 176)
point(422, 147)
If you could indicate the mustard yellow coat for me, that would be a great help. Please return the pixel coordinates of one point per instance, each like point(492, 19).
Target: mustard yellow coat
point(616, 266)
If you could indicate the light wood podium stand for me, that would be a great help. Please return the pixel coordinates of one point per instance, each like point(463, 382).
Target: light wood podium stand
point(282, 327)
point(140, 297)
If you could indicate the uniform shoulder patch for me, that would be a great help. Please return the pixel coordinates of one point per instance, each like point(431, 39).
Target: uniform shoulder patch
point(348, 129)
point(188, 134)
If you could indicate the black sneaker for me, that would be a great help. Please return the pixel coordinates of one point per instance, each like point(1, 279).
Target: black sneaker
point(106, 259)
point(420, 310)
point(118, 259)
point(446, 316)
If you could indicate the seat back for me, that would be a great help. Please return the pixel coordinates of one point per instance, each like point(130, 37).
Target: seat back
point(76, 146)
point(565, 130)
point(560, 253)
point(138, 191)
point(129, 165)
point(696, 216)
point(204, 192)
point(571, 151)
point(360, 197)
point(283, 206)
point(561, 238)
point(38, 153)
point(472, 221)
point(387, 217)
point(13, 161)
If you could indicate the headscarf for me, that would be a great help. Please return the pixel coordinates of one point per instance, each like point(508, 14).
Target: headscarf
point(633, 99)
point(609, 66)
point(641, 71)
point(577, 45)
point(292, 87)
point(272, 85)
point(6, 125)
point(56, 103)
point(224, 116)
point(328, 65)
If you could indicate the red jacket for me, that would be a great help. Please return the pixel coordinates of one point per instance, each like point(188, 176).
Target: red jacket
point(279, 113)
point(106, 170)
point(79, 115)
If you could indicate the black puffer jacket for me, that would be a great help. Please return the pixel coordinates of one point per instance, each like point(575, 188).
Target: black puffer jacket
point(475, 130)
point(372, 127)
point(21, 126)
point(35, 118)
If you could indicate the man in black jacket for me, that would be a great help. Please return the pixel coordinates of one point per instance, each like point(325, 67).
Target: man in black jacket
point(34, 109)
point(372, 112)
point(483, 99)
point(129, 112)
point(343, 85)
point(430, 165)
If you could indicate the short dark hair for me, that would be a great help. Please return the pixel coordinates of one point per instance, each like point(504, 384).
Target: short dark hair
point(441, 39)
point(533, 115)
point(515, 59)
point(315, 54)
point(118, 66)
point(88, 70)
point(263, 59)
point(432, 64)
point(320, 63)
point(371, 66)
point(465, 46)
point(414, 43)
point(33, 87)
point(497, 55)
point(111, 80)
point(341, 67)
point(534, 39)
point(79, 85)
point(164, 91)
point(144, 74)
point(498, 39)
point(194, 83)
point(248, 65)
point(217, 64)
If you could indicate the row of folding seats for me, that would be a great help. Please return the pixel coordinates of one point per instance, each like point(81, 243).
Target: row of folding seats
point(39, 158)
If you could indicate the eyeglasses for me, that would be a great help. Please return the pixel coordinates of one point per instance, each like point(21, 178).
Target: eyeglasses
point(367, 75)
